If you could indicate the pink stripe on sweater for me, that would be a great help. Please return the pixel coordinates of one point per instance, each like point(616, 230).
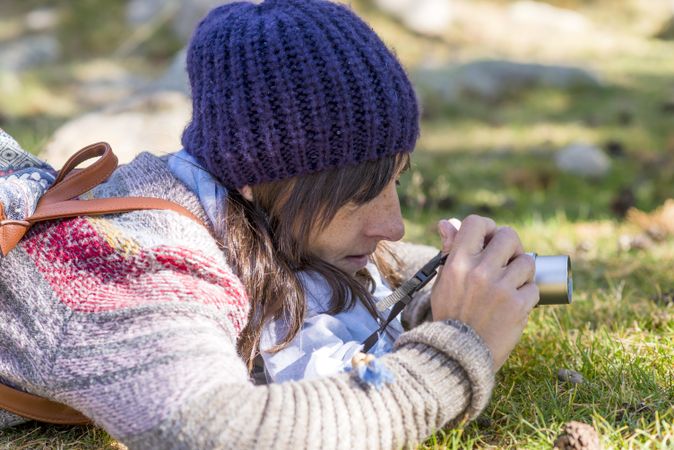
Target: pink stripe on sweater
point(88, 275)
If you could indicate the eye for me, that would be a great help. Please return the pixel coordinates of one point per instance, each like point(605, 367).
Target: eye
point(397, 181)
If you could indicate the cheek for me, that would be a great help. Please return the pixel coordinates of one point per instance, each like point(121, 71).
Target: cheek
point(348, 224)
point(339, 237)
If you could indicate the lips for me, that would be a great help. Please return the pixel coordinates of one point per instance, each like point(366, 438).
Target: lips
point(358, 260)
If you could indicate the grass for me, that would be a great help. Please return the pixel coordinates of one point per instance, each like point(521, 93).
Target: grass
point(617, 334)
point(53, 437)
point(498, 160)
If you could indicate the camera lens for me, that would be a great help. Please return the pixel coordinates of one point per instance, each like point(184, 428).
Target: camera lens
point(554, 279)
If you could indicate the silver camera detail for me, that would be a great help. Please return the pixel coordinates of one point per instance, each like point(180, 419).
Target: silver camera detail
point(554, 279)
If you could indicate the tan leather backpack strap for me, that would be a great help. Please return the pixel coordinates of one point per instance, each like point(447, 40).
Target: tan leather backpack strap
point(56, 203)
point(70, 184)
point(38, 408)
point(11, 231)
point(99, 206)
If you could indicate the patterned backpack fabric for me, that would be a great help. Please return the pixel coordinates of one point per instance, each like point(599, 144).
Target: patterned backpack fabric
point(31, 191)
point(23, 179)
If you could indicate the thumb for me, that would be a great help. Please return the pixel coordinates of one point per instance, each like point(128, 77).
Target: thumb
point(448, 230)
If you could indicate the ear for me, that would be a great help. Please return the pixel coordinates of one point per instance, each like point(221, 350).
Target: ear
point(247, 192)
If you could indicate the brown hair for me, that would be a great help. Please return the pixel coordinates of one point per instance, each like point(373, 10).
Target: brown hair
point(266, 242)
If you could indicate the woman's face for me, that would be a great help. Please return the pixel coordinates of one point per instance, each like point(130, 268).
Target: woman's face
point(349, 240)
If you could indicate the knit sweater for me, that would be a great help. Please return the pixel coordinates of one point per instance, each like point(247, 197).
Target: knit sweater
point(132, 319)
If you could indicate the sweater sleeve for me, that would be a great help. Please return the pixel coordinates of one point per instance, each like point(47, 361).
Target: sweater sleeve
point(170, 378)
point(190, 390)
point(142, 339)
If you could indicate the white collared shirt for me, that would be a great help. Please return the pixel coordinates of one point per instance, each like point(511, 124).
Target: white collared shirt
point(326, 343)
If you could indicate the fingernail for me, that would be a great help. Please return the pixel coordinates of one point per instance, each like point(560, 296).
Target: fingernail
point(456, 222)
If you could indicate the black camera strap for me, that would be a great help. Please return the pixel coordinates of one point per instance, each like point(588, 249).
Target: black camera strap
point(402, 296)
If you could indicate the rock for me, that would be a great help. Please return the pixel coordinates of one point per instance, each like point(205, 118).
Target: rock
point(152, 122)
point(494, 80)
point(184, 15)
point(583, 160)
point(428, 17)
point(103, 82)
point(140, 12)
point(543, 15)
point(577, 436)
point(29, 52)
point(570, 376)
point(98, 93)
point(191, 12)
point(175, 78)
point(41, 19)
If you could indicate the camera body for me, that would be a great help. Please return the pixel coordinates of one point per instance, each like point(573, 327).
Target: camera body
point(553, 277)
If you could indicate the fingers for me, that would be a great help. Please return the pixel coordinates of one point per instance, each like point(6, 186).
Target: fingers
point(448, 230)
point(486, 283)
point(471, 237)
point(502, 247)
point(520, 271)
point(530, 296)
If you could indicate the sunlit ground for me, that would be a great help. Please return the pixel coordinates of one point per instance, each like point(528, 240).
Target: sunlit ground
point(498, 160)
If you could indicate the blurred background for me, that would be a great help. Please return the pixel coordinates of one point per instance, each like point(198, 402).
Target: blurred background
point(531, 109)
point(555, 117)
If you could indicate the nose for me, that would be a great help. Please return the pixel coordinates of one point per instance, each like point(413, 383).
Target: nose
point(386, 220)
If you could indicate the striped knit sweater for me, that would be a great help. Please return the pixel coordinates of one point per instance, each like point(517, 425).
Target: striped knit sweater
point(132, 319)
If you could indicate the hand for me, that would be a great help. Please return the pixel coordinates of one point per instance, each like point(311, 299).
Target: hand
point(487, 282)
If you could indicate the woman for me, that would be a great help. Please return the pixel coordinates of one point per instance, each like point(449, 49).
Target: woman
point(133, 319)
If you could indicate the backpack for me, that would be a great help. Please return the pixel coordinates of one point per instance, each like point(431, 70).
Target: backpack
point(58, 203)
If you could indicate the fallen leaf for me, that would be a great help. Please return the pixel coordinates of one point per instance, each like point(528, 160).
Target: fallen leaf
point(658, 224)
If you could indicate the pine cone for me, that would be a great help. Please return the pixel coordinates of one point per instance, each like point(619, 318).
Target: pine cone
point(577, 436)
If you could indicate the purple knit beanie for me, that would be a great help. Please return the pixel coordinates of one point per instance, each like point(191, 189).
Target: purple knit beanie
point(292, 87)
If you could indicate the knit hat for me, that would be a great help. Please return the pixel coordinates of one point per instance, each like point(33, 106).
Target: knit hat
point(291, 87)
